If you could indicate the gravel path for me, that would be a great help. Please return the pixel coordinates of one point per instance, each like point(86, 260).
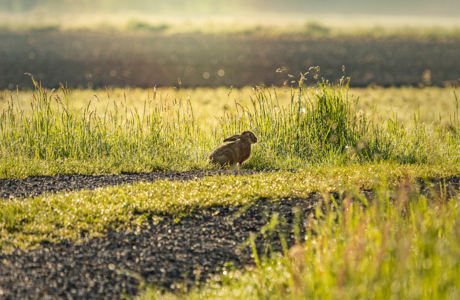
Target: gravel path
point(167, 253)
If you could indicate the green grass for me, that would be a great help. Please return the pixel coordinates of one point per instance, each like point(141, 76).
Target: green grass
point(320, 125)
point(402, 249)
point(210, 103)
point(24, 223)
point(55, 138)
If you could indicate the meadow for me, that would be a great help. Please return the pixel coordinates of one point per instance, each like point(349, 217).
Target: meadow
point(402, 243)
point(46, 133)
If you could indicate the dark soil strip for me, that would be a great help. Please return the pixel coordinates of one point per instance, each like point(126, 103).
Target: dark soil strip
point(34, 186)
point(167, 253)
point(84, 59)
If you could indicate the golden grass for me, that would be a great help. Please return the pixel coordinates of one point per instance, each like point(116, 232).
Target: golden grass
point(209, 104)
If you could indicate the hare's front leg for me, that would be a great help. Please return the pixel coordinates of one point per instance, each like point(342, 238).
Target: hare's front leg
point(233, 167)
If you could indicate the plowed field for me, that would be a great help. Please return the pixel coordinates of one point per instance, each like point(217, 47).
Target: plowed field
point(87, 59)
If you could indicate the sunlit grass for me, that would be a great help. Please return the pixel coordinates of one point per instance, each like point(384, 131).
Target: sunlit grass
point(210, 104)
point(25, 222)
point(46, 133)
point(392, 249)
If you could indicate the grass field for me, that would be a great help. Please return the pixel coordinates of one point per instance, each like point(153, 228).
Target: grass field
point(429, 103)
point(46, 133)
point(408, 247)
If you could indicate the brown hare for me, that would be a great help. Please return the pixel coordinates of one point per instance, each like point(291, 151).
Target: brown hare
point(236, 152)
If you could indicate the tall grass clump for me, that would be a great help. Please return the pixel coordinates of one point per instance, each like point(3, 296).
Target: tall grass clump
point(319, 125)
point(323, 125)
point(404, 246)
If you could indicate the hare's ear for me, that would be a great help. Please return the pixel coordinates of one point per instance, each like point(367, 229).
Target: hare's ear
point(233, 138)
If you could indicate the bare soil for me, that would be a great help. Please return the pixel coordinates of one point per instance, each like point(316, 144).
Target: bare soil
point(88, 59)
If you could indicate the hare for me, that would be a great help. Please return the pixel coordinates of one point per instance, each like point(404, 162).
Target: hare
point(236, 152)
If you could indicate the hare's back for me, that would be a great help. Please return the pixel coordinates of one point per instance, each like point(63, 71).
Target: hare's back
point(224, 154)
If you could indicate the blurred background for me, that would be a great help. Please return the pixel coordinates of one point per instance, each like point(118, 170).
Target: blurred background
point(138, 43)
point(390, 7)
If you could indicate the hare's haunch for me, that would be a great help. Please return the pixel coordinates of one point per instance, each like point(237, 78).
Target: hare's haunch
point(236, 152)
